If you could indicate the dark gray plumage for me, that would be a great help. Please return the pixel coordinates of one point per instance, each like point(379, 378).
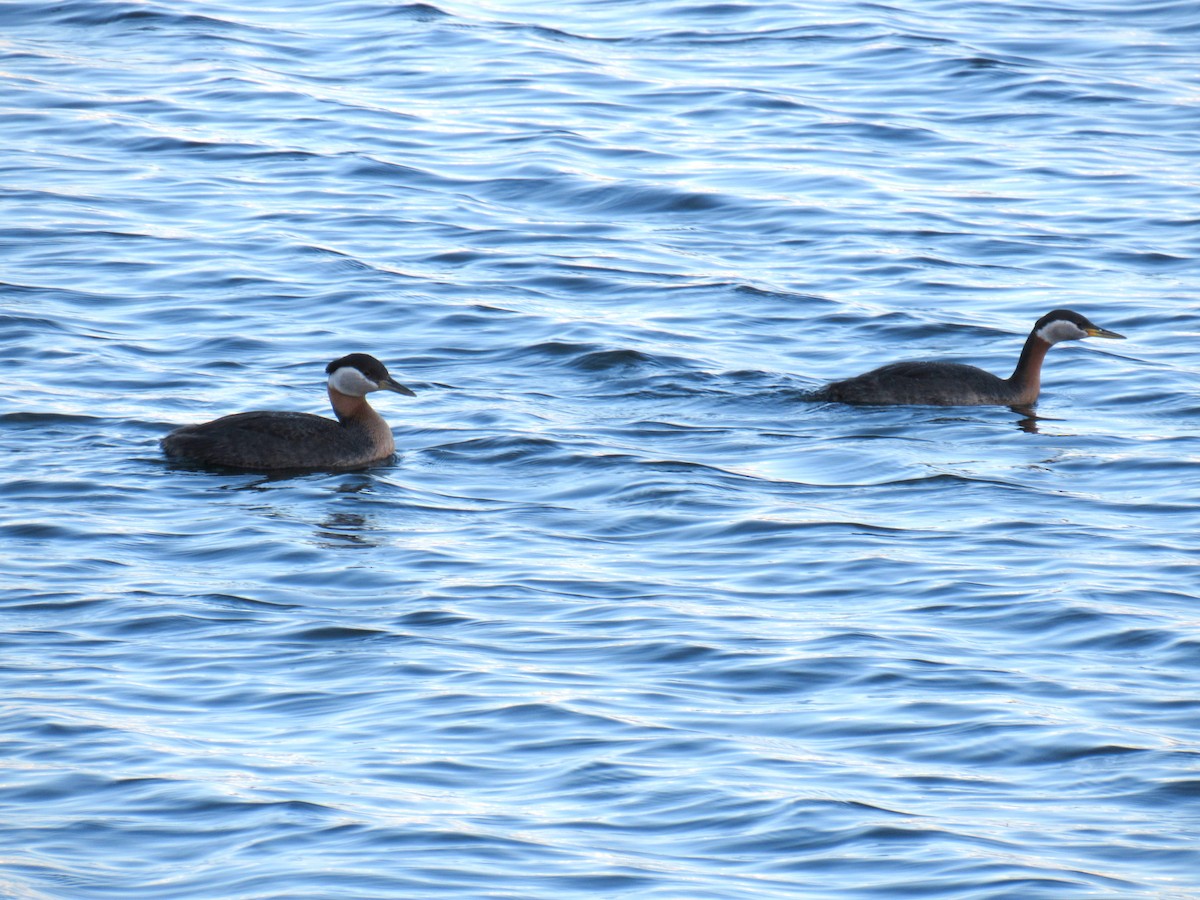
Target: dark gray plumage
point(956, 384)
point(294, 440)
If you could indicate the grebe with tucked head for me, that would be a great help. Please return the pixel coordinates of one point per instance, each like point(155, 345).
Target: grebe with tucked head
point(955, 384)
point(294, 440)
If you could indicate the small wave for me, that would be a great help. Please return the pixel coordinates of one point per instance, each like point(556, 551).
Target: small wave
point(97, 15)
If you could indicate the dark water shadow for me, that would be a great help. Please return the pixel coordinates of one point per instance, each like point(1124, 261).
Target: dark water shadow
point(346, 531)
point(1029, 419)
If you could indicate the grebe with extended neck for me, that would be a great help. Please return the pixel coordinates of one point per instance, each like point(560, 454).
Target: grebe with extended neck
point(295, 440)
point(956, 384)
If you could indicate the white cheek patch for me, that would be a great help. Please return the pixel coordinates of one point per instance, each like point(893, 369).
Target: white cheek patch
point(1061, 330)
point(348, 380)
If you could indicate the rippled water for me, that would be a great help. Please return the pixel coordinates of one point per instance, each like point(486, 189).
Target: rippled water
point(627, 615)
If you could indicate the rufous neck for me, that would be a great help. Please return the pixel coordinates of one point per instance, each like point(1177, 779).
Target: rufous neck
point(346, 406)
point(1026, 378)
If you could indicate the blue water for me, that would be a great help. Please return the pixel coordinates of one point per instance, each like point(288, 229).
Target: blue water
point(627, 616)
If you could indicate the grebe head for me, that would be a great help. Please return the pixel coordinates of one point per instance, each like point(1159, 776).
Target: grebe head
point(1067, 325)
point(358, 374)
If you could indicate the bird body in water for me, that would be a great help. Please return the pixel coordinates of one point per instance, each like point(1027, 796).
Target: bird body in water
point(295, 440)
point(955, 384)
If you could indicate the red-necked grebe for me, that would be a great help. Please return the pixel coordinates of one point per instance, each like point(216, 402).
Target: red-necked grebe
point(294, 440)
point(955, 384)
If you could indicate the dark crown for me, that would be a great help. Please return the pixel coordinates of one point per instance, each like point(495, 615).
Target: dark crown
point(368, 365)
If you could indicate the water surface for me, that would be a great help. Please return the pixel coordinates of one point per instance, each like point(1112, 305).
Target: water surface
point(627, 615)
